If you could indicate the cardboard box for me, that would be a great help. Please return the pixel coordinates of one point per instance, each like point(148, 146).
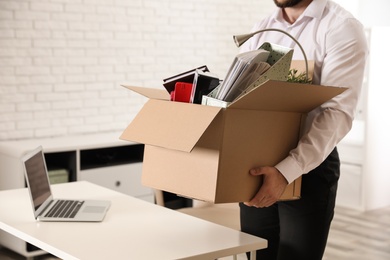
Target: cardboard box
point(205, 152)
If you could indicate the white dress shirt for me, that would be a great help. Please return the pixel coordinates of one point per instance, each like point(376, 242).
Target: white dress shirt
point(336, 42)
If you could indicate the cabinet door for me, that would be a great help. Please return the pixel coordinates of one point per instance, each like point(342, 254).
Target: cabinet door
point(349, 193)
point(124, 178)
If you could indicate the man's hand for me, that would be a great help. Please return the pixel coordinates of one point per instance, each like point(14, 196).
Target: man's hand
point(272, 188)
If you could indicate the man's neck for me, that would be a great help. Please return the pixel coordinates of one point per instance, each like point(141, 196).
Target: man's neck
point(291, 14)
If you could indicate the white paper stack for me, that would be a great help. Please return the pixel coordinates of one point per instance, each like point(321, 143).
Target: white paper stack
point(245, 69)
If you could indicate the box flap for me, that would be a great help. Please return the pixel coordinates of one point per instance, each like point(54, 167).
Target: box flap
point(150, 92)
point(287, 97)
point(172, 125)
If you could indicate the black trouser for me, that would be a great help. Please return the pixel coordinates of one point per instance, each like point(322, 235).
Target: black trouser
point(298, 229)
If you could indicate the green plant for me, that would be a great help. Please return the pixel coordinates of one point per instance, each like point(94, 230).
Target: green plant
point(293, 76)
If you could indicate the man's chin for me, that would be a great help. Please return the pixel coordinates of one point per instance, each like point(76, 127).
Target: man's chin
point(286, 3)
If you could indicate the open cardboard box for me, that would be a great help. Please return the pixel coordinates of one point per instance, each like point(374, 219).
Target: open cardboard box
point(205, 152)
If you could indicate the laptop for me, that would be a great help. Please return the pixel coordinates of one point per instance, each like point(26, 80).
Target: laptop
point(45, 207)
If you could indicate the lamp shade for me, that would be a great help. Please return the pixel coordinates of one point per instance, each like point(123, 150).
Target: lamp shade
point(241, 39)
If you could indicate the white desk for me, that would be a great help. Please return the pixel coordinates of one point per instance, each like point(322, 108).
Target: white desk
point(132, 229)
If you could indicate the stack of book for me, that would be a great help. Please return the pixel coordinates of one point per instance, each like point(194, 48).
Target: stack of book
point(245, 69)
point(191, 85)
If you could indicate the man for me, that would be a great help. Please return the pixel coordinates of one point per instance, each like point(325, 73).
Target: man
point(336, 42)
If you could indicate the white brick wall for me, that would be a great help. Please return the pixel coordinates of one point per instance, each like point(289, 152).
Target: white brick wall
point(62, 61)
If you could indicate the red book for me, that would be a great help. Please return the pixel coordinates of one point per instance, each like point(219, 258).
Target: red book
point(182, 92)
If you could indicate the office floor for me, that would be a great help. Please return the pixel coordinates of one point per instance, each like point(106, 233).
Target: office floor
point(354, 235)
point(359, 236)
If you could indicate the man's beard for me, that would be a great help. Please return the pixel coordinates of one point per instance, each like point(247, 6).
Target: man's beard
point(288, 3)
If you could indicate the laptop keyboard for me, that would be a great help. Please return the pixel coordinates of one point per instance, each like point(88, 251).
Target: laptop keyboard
point(65, 209)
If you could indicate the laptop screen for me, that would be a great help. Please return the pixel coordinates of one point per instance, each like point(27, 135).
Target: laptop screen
point(37, 179)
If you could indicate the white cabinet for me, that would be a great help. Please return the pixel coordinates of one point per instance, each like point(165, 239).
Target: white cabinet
point(350, 190)
point(351, 150)
point(123, 178)
point(102, 159)
point(365, 172)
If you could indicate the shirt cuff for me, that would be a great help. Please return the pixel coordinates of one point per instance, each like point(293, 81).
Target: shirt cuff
point(290, 169)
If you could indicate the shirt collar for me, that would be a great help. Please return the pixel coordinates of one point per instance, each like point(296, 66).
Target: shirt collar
point(314, 10)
